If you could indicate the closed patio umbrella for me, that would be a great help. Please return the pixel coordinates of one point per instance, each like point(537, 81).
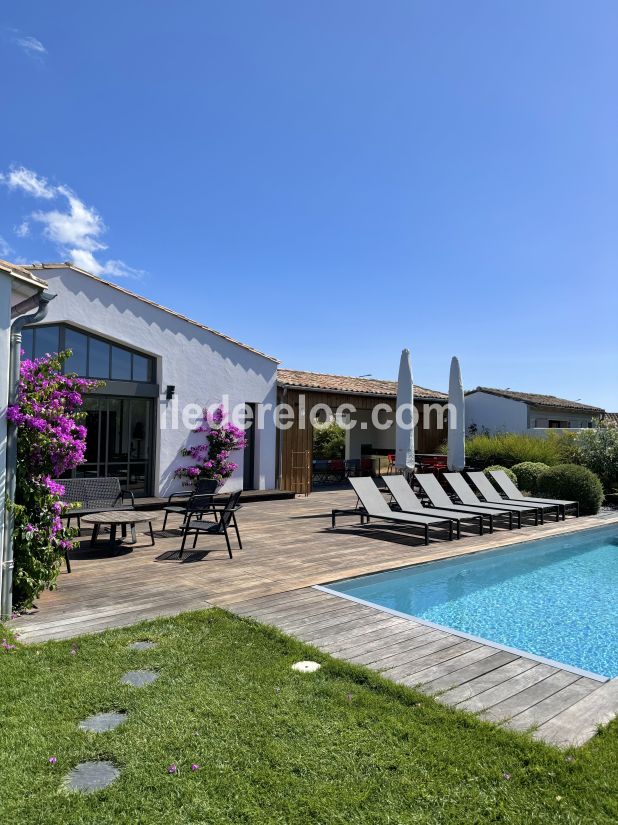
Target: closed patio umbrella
point(456, 420)
point(404, 426)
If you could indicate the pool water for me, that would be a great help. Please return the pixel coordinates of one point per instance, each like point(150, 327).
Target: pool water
point(556, 598)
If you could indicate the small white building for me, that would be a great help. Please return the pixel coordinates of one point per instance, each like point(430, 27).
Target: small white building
point(492, 411)
point(154, 363)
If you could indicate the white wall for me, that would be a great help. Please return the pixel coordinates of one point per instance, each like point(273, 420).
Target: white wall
point(5, 351)
point(201, 365)
point(538, 418)
point(496, 414)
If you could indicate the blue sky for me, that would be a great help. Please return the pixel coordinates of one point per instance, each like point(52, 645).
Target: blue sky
point(333, 181)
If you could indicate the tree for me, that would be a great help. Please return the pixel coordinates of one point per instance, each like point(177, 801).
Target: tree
point(329, 441)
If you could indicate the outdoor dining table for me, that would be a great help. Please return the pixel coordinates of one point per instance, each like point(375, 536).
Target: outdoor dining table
point(122, 518)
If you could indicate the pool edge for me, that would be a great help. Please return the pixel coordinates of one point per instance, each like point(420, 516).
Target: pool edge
point(523, 653)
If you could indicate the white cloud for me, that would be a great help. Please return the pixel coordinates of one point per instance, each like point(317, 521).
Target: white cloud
point(74, 228)
point(29, 182)
point(22, 230)
point(115, 269)
point(118, 269)
point(79, 227)
point(31, 46)
point(5, 248)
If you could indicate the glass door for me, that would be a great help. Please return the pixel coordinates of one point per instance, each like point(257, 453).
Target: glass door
point(140, 443)
point(249, 452)
point(119, 441)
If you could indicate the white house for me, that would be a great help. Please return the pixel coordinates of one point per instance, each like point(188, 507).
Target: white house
point(154, 363)
point(493, 410)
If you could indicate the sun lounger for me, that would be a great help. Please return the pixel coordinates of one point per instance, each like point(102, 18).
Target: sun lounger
point(406, 499)
point(438, 497)
point(374, 506)
point(489, 493)
point(509, 489)
point(466, 494)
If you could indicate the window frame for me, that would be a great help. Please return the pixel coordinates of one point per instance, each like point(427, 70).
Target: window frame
point(63, 327)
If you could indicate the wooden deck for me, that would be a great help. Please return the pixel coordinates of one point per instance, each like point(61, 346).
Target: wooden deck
point(287, 547)
point(562, 707)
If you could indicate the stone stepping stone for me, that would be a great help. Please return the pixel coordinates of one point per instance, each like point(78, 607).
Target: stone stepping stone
point(142, 645)
point(88, 777)
point(102, 722)
point(306, 667)
point(139, 678)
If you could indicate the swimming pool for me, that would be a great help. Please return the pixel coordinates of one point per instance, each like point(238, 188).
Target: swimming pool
point(556, 598)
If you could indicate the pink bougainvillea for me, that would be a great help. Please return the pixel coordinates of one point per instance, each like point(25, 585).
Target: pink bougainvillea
point(50, 441)
point(211, 457)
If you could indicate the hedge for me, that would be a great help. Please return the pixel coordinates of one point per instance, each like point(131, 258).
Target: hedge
point(507, 449)
point(527, 473)
point(574, 483)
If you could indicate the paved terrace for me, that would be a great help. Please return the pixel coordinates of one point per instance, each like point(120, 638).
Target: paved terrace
point(288, 547)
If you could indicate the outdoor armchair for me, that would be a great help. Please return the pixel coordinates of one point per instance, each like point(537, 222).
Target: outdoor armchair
point(206, 486)
point(224, 518)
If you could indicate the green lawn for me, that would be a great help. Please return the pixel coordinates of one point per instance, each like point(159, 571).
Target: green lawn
point(274, 746)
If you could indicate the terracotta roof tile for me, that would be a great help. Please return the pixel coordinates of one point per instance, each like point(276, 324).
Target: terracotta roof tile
point(349, 384)
point(22, 273)
point(539, 400)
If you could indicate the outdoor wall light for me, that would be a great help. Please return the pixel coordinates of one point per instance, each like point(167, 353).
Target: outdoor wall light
point(169, 392)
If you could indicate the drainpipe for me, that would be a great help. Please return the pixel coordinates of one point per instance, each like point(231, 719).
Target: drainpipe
point(6, 572)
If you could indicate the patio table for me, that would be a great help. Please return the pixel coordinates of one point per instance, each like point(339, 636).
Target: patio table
point(122, 518)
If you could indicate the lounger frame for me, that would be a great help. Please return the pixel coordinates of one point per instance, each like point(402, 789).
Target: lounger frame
point(425, 522)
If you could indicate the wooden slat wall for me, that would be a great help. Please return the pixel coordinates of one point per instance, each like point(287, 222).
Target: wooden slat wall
point(296, 454)
point(296, 444)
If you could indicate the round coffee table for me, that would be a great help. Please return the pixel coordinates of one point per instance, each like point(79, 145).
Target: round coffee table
point(122, 518)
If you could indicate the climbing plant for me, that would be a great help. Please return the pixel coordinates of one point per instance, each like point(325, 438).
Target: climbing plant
point(50, 440)
point(211, 456)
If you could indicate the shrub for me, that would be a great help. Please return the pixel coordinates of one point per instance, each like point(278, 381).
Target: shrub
point(528, 473)
point(572, 482)
point(509, 473)
point(329, 441)
point(507, 449)
point(565, 444)
point(50, 441)
point(598, 450)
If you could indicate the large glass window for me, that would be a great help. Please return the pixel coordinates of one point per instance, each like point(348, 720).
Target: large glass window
point(92, 357)
point(119, 440)
point(98, 358)
point(142, 368)
point(140, 443)
point(121, 364)
point(77, 342)
point(91, 468)
point(27, 343)
point(46, 340)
